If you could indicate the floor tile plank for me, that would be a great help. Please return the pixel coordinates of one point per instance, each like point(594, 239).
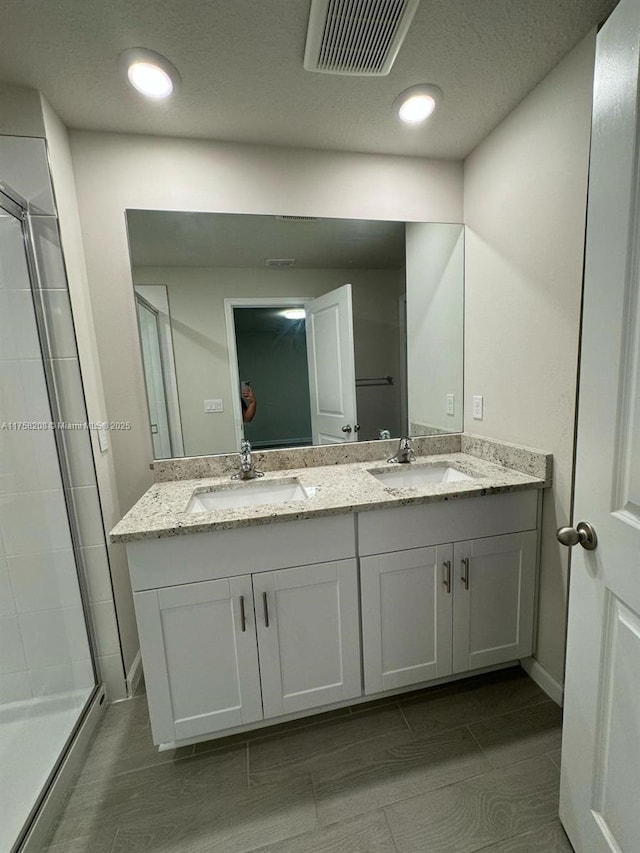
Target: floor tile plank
point(301, 751)
point(470, 815)
point(546, 839)
point(231, 823)
point(522, 734)
point(470, 701)
point(377, 778)
point(368, 833)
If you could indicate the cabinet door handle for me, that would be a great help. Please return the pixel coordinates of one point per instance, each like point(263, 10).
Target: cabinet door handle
point(447, 575)
point(465, 572)
point(266, 609)
point(243, 615)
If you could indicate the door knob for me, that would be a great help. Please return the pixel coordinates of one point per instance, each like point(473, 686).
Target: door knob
point(582, 534)
point(346, 428)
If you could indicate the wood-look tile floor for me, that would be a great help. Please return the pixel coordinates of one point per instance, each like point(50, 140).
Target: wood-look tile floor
point(466, 767)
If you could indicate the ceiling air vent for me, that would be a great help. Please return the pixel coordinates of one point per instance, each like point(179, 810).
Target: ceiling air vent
point(297, 218)
point(280, 262)
point(356, 36)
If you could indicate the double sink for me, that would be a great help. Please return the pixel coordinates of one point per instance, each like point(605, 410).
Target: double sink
point(259, 492)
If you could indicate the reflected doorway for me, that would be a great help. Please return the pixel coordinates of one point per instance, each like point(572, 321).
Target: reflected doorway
point(271, 351)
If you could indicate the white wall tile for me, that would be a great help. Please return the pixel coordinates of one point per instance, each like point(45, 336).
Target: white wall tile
point(34, 521)
point(61, 679)
point(68, 382)
point(80, 457)
point(46, 242)
point(44, 581)
point(13, 270)
point(14, 687)
point(106, 628)
point(87, 504)
point(97, 573)
point(59, 323)
point(54, 637)
point(18, 332)
point(28, 461)
point(12, 658)
point(26, 169)
point(112, 673)
point(7, 603)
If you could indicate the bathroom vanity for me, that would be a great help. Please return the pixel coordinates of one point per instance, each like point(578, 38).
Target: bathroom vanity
point(252, 612)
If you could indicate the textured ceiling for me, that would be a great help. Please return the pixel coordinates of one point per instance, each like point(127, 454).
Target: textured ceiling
point(168, 239)
point(242, 74)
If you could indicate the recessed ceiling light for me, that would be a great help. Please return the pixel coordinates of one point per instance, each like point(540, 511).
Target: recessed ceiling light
point(416, 104)
point(149, 72)
point(294, 313)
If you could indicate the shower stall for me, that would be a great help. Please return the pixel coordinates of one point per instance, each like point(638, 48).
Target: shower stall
point(48, 677)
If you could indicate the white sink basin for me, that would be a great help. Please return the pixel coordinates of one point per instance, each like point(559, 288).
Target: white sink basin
point(408, 475)
point(252, 493)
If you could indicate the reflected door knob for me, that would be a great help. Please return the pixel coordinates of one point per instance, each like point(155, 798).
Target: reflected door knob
point(582, 534)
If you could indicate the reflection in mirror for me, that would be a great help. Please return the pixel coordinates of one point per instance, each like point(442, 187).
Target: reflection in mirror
point(343, 329)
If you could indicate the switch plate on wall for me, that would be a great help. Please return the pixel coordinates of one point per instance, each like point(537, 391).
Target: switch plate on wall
point(451, 404)
point(477, 407)
point(213, 406)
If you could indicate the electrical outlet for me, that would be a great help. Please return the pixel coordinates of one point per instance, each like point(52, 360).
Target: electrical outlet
point(211, 406)
point(451, 404)
point(478, 406)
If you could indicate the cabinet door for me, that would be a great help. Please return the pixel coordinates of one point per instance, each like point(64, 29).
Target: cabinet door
point(200, 657)
point(308, 636)
point(406, 617)
point(493, 600)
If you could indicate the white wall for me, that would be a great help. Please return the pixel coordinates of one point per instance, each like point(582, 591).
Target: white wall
point(435, 325)
point(115, 172)
point(525, 192)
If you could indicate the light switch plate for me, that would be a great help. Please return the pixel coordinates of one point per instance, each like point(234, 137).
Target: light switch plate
point(451, 404)
point(478, 406)
point(211, 406)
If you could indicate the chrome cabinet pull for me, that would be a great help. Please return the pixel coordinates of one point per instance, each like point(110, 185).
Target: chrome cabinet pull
point(266, 609)
point(447, 575)
point(243, 615)
point(465, 572)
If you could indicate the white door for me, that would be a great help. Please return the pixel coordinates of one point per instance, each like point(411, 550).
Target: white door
point(308, 636)
point(494, 594)
point(406, 617)
point(600, 788)
point(332, 376)
point(200, 657)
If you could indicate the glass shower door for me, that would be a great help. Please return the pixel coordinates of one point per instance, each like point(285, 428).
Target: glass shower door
point(46, 665)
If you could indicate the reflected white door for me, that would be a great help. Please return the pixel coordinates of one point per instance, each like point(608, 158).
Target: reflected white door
point(332, 377)
point(600, 790)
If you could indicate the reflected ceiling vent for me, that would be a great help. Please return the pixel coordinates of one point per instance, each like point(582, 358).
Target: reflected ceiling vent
point(356, 36)
point(280, 262)
point(298, 218)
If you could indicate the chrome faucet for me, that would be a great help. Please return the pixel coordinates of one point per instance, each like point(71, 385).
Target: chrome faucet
point(405, 452)
point(246, 470)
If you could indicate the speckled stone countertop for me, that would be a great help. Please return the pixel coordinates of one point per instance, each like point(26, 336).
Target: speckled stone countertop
point(334, 489)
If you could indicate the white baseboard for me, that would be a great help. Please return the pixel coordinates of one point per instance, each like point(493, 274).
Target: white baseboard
point(134, 676)
point(539, 674)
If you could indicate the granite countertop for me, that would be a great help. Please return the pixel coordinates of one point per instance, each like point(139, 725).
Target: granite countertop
point(335, 489)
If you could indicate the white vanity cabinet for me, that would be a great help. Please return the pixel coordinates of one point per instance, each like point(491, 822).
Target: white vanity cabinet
point(432, 606)
point(229, 651)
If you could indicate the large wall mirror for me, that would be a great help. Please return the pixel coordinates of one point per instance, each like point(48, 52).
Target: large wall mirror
point(338, 329)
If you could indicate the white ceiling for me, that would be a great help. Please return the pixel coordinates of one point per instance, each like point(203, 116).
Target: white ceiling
point(242, 74)
point(159, 238)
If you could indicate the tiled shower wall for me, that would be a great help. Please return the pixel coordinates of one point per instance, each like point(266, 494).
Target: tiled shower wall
point(30, 593)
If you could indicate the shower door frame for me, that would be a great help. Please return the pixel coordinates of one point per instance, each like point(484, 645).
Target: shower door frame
point(13, 204)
